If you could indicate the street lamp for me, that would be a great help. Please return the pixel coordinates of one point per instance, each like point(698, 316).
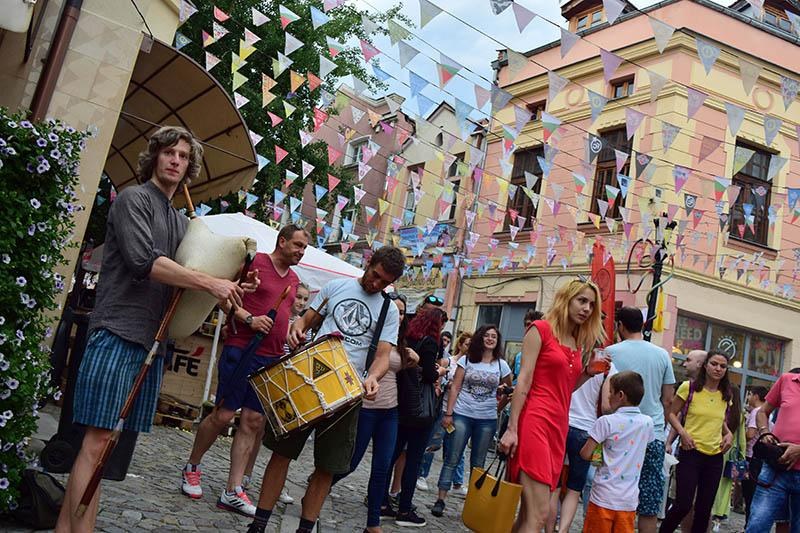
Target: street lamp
point(663, 236)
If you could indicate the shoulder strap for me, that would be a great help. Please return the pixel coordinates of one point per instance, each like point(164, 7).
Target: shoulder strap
point(373, 346)
point(685, 409)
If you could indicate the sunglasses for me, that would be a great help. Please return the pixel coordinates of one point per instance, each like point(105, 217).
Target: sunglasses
point(397, 296)
point(434, 300)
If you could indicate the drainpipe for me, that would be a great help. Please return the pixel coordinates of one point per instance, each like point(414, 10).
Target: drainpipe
point(55, 59)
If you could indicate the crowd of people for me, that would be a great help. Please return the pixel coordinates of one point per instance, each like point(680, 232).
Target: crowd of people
point(599, 432)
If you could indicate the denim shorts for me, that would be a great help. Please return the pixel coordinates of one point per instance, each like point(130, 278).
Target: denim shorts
point(238, 393)
point(578, 467)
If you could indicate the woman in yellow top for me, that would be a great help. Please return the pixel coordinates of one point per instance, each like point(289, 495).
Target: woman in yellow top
point(705, 437)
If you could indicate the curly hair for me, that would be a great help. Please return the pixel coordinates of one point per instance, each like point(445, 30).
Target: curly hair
point(426, 323)
point(163, 138)
point(392, 259)
point(476, 344)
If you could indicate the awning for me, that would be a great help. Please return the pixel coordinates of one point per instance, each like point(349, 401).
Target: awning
point(169, 88)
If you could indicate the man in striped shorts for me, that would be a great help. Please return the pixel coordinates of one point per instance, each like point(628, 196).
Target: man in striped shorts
point(136, 283)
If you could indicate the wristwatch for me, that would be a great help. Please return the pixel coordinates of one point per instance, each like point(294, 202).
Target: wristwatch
point(249, 320)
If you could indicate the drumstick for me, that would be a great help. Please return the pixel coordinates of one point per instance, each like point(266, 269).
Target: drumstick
point(189, 204)
point(252, 346)
point(248, 260)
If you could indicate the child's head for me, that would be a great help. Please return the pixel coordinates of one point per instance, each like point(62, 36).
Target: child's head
point(626, 389)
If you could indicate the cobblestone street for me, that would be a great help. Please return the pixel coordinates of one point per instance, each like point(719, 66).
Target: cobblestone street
point(150, 499)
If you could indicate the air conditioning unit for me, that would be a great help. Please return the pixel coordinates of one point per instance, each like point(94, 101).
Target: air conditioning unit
point(16, 14)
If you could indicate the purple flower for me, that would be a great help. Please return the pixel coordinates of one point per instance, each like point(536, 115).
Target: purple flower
point(55, 154)
point(43, 258)
point(3, 341)
point(41, 142)
point(8, 414)
point(36, 204)
point(10, 151)
point(3, 483)
point(21, 281)
point(20, 335)
point(41, 226)
point(43, 167)
point(30, 168)
point(57, 395)
point(2, 320)
point(6, 258)
point(32, 303)
point(47, 332)
point(12, 124)
point(7, 446)
point(2, 422)
point(24, 298)
point(32, 229)
point(12, 383)
point(53, 137)
point(70, 129)
point(27, 125)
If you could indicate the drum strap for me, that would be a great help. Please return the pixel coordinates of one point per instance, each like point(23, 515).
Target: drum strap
point(373, 346)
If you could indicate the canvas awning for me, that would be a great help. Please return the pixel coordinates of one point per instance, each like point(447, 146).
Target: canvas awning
point(169, 88)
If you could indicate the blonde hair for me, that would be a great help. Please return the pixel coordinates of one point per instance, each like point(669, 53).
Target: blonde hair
point(590, 332)
point(461, 338)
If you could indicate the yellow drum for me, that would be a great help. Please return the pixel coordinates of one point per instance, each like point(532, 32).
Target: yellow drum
point(304, 387)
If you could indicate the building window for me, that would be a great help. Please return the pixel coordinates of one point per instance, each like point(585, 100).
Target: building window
point(536, 109)
point(510, 319)
point(622, 88)
point(606, 173)
point(753, 358)
point(413, 184)
point(776, 18)
point(520, 209)
point(355, 151)
point(455, 180)
point(589, 20)
point(749, 220)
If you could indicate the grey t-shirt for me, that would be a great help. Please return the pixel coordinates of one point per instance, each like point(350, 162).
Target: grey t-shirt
point(354, 313)
point(142, 226)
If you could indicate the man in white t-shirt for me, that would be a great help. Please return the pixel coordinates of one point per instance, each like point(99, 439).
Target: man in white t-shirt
point(624, 436)
point(351, 308)
point(654, 365)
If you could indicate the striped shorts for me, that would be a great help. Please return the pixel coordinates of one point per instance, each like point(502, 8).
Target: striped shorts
point(106, 376)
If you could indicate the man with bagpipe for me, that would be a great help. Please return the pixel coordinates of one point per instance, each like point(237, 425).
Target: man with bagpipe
point(134, 293)
point(256, 337)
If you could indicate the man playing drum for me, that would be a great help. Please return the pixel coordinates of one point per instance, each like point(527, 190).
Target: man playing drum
point(136, 282)
point(233, 390)
point(352, 309)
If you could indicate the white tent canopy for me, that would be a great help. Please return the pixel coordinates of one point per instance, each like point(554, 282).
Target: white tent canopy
point(315, 270)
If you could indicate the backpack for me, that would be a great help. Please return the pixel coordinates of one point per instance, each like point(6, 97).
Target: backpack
point(41, 497)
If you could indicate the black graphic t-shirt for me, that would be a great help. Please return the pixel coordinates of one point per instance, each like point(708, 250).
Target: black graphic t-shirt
point(354, 313)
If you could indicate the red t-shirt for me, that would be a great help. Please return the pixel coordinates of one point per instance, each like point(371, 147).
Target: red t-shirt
point(785, 394)
point(261, 301)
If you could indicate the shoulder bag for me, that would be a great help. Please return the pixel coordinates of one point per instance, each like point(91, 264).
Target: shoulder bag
point(418, 405)
point(491, 503)
point(736, 465)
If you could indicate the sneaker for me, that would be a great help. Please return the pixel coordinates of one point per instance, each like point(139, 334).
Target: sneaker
point(190, 485)
point(438, 508)
point(394, 499)
point(422, 483)
point(460, 491)
point(285, 498)
point(388, 512)
point(238, 502)
point(410, 519)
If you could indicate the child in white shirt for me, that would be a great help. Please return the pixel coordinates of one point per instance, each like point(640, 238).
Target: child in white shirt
point(624, 436)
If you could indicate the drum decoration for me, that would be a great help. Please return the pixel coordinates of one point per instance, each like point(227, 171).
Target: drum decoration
point(305, 387)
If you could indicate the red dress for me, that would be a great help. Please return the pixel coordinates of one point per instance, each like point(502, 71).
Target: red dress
point(544, 420)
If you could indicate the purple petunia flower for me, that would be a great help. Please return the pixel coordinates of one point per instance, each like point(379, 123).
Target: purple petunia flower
point(57, 395)
point(53, 137)
point(3, 341)
point(55, 154)
point(8, 414)
point(3, 483)
point(41, 226)
point(7, 446)
point(5, 395)
point(30, 168)
point(36, 204)
point(10, 150)
point(41, 142)
point(2, 142)
point(6, 258)
point(69, 129)
point(32, 229)
point(2, 422)
point(21, 281)
point(24, 298)
point(31, 303)
point(43, 258)
point(20, 334)
point(12, 124)
point(27, 125)
point(12, 383)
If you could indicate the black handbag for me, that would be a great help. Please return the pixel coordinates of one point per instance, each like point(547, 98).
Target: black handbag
point(418, 405)
point(770, 453)
point(41, 497)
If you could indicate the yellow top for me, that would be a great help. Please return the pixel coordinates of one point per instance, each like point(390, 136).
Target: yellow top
point(704, 418)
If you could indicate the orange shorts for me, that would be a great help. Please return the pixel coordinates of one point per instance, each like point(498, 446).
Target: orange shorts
point(600, 520)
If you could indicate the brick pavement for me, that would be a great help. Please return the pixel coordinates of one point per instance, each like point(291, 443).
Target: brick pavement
point(150, 499)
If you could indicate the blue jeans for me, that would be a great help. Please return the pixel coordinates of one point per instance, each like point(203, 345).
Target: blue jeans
point(480, 431)
point(380, 426)
point(769, 503)
point(440, 438)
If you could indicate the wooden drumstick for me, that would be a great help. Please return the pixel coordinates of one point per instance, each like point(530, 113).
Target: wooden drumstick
point(248, 260)
point(189, 205)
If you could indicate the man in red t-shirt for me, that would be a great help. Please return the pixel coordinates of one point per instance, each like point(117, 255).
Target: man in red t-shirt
point(251, 318)
point(778, 489)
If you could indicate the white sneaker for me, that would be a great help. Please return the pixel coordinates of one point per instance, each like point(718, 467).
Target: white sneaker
point(190, 485)
point(461, 491)
point(285, 498)
point(238, 502)
point(422, 483)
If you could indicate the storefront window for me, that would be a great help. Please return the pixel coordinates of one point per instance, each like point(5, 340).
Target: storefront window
point(766, 355)
point(690, 334)
point(729, 341)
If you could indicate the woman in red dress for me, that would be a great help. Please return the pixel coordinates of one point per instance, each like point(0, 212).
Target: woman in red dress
point(551, 369)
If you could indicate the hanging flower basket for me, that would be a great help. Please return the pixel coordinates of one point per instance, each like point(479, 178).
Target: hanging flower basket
point(38, 175)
